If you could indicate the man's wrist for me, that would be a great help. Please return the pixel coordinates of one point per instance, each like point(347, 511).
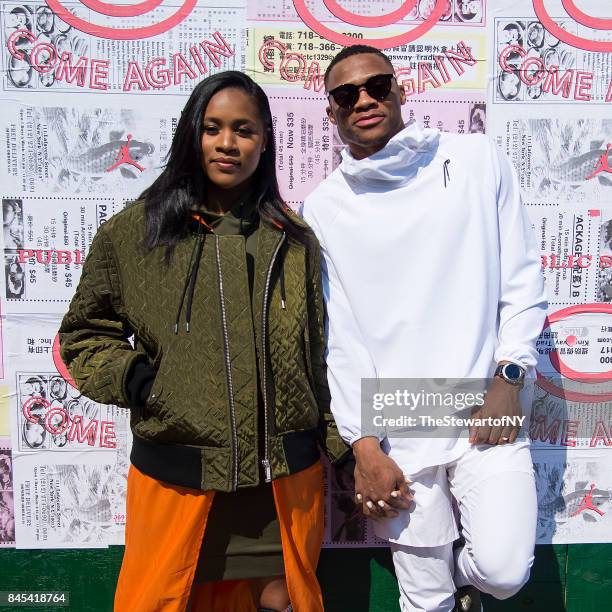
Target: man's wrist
point(505, 386)
point(365, 446)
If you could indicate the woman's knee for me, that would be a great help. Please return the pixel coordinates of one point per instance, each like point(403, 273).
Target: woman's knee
point(270, 593)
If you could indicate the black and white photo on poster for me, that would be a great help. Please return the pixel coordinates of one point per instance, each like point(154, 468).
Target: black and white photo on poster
point(52, 415)
point(55, 234)
point(455, 12)
point(559, 161)
point(14, 276)
point(95, 150)
point(69, 501)
point(7, 507)
point(88, 50)
point(23, 71)
point(540, 63)
point(574, 496)
point(12, 223)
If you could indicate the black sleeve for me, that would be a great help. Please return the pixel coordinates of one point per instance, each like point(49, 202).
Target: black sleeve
point(139, 381)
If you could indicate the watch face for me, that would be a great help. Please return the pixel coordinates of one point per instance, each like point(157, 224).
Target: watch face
point(512, 371)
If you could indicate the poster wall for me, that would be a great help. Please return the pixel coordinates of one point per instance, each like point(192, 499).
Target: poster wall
point(91, 94)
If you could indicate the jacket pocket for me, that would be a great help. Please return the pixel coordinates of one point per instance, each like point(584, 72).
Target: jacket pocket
point(153, 399)
point(156, 394)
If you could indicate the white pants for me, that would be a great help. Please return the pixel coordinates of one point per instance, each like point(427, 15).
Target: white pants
point(495, 495)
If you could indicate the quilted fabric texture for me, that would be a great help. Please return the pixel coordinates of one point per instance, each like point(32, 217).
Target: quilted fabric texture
point(126, 290)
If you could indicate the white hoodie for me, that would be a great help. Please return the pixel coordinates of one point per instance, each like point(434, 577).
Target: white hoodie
point(428, 273)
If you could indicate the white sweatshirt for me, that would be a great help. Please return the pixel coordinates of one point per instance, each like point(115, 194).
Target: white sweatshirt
point(427, 273)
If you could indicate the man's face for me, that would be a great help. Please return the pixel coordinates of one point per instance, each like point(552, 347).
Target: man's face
point(509, 85)
point(512, 35)
point(369, 124)
point(470, 7)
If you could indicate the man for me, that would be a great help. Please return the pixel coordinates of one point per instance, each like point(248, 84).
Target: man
point(430, 270)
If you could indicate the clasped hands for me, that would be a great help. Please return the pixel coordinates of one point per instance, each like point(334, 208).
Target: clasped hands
point(382, 489)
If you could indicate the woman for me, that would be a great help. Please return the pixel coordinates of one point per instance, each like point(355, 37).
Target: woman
point(219, 283)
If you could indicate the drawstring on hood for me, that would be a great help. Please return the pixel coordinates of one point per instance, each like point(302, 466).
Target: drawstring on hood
point(192, 280)
point(192, 274)
point(398, 161)
point(446, 172)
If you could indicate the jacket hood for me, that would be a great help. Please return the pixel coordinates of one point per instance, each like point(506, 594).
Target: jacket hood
point(398, 161)
point(242, 218)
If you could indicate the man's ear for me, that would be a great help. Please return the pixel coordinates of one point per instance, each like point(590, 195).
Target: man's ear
point(402, 94)
point(330, 115)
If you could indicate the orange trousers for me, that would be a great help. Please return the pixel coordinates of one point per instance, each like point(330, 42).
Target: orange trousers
point(164, 532)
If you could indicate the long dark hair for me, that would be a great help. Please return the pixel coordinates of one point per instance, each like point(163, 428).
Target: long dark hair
point(182, 184)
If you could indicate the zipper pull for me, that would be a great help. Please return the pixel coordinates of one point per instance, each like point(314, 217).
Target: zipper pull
point(267, 469)
point(282, 283)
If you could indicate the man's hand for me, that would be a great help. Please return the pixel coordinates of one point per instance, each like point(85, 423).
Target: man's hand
point(502, 399)
point(380, 485)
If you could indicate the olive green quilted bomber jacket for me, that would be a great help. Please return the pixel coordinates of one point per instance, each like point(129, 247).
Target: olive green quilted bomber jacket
point(199, 427)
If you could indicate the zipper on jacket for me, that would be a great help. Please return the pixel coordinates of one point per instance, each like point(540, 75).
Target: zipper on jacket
point(266, 459)
point(228, 369)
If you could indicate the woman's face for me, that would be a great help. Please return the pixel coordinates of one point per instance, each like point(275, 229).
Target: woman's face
point(233, 137)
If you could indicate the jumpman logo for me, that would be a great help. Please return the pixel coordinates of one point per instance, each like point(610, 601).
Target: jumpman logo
point(603, 165)
point(587, 502)
point(124, 157)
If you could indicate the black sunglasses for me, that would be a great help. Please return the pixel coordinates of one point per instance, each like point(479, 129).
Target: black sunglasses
point(377, 86)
